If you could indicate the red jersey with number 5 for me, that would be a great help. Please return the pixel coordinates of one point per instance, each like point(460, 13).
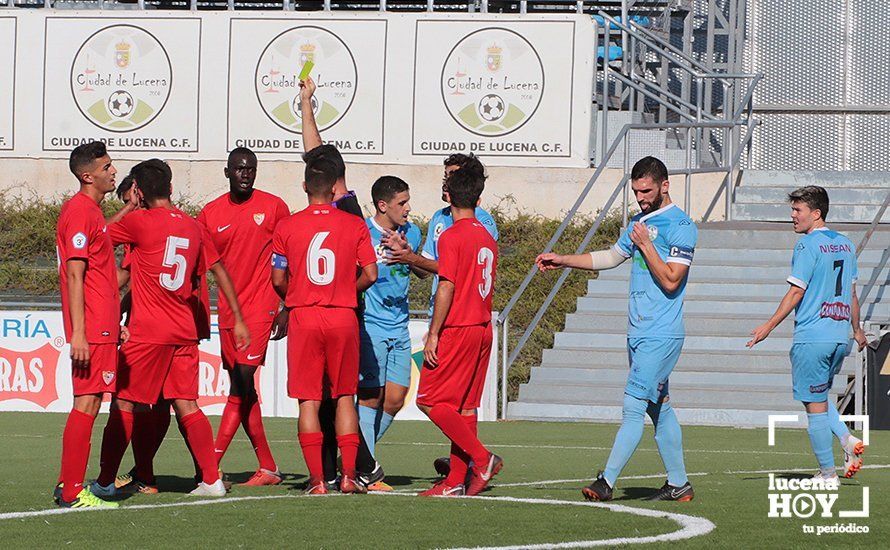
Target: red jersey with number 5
point(468, 257)
point(169, 251)
point(321, 247)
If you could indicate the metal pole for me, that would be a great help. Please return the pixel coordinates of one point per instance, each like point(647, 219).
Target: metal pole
point(625, 200)
point(857, 381)
point(699, 100)
point(193, 5)
point(327, 5)
point(504, 369)
point(604, 108)
point(523, 7)
point(429, 5)
point(382, 5)
point(484, 6)
point(579, 7)
point(619, 90)
point(230, 5)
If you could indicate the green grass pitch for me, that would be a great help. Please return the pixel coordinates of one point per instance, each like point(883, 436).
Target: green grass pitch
point(535, 500)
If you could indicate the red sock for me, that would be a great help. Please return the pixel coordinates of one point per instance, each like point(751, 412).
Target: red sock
point(311, 442)
point(460, 461)
point(199, 434)
point(144, 445)
point(75, 452)
point(348, 444)
point(228, 425)
point(185, 439)
point(160, 415)
point(115, 440)
point(455, 428)
point(252, 420)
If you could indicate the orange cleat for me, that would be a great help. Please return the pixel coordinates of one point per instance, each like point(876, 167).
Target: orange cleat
point(316, 487)
point(853, 457)
point(261, 478)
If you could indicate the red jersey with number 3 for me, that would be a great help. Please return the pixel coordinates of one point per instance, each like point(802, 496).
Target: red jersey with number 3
point(242, 234)
point(169, 253)
point(322, 247)
point(81, 234)
point(468, 257)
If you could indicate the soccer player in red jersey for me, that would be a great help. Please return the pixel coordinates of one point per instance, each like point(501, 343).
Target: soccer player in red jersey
point(315, 254)
point(169, 253)
point(90, 313)
point(458, 344)
point(241, 223)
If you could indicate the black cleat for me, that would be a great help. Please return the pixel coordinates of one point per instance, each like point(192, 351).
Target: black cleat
point(599, 490)
point(442, 466)
point(669, 492)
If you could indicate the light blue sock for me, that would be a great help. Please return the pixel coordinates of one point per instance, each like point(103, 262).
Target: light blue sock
point(627, 439)
point(385, 420)
point(838, 428)
point(366, 416)
point(669, 438)
point(821, 440)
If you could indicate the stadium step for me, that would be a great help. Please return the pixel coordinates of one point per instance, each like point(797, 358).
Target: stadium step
point(735, 284)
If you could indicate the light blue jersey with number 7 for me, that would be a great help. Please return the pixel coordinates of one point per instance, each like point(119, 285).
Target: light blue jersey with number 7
point(824, 266)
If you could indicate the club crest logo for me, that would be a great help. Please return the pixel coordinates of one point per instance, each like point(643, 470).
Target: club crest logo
point(107, 377)
point(653, 232)
point(438, 230)
point(492, 82)
point(258, 218)
point(121, 78)
point(277, 77)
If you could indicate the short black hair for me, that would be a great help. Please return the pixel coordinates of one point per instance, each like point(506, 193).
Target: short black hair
point(124, 186)
point(240, 151)
point(329, 153)
point(649, 167)
point(465, 187)
point(84, 154)
point(466, 162)
point(320, 176)
point(813, 196)
point(153, 176)
point(387, 187)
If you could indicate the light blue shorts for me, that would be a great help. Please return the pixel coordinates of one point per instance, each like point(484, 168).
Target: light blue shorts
point(813, 368)
point(651, 362)
point(384, 360)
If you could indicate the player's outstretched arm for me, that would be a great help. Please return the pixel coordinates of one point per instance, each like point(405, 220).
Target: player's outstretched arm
point(786, 306)
point(367, 277)
point(441, 307)
point(242, 335)
point(858, 333)
point(594, 261)
point(311, 136)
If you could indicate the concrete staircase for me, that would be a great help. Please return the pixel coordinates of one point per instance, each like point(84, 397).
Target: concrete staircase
point(736, 282)
point(855, 196)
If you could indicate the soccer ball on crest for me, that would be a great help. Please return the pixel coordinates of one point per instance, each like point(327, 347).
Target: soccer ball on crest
point(491, 108)
point(120, 103)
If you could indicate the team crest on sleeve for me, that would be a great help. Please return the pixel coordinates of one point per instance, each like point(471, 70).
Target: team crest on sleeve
point(258, 218)
point(653, 232)
point(437, 231)
point(79, 241)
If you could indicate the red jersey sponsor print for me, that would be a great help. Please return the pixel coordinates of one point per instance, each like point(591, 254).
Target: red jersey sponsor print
point(169, 253)
point(468, 257)
point(322, 247)
point(30, 375)
point(81, 234)
point(242, 234)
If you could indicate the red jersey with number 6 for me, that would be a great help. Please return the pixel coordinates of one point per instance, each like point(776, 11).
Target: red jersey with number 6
point(169, 253)
point(321, 247)
point(468, 257)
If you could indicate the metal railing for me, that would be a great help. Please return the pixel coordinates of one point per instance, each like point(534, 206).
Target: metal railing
point(468, 6)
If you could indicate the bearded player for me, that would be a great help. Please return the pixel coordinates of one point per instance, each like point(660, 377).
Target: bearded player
point(169, 253)
point(315, 254)
point(458, 345)
point(241, 223)
point(661, 240)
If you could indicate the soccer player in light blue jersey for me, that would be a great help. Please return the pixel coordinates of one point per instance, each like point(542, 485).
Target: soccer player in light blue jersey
point(661, 241)
point(823, 297)
point(385, 365)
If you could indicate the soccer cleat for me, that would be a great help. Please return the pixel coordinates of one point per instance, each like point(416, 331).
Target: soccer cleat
point(441, 489)
point(599, 490)
point(350, 486)
point(100, 491)
point(853, 451)
point(332, 485)
point(261, 478)
point(370, 479)
point(57, 492)
point(317, 487)
point(215, 489)
point(86, 499)
point(380, 487)
point(125, 479)
point(140, 487)
point(832, 481)
point(683, 493)
point(442, 465)
point(480, 478)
